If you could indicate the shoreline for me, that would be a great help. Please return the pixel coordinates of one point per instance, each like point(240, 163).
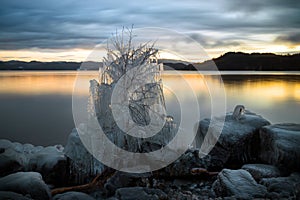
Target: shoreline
point(242, 156)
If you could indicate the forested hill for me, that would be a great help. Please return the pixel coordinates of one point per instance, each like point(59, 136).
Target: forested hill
point(228, 61)
point(254, 61)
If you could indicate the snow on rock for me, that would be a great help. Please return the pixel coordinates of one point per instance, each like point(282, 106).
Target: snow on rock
point(280, 146)
point(238, 183)
point(49, 161)
point(72, 196)
point(26, 183)
point(12, 195)
point(259, 171)
point(238, 142)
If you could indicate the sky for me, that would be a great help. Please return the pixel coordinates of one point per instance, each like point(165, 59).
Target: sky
point(68, 30)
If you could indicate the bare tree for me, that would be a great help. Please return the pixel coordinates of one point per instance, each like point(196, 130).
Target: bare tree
point(122, 56)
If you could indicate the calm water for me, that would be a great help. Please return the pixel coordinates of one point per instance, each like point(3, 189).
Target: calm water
point(36, 107)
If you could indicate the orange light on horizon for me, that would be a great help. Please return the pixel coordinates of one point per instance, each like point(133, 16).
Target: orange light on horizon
point(44, 55)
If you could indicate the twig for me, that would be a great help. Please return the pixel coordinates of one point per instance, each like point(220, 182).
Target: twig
point(202, 171)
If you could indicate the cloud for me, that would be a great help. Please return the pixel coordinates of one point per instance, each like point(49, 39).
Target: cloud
point(212, 42)
point(71, 24)
point(254, 6)
point(291, 38)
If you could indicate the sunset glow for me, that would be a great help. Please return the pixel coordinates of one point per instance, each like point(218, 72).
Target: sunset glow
point(69, 30)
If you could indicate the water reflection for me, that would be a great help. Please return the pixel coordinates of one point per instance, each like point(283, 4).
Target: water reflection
point(263, 89)
point(36, 106)
point(37, 83)
point(268, 88)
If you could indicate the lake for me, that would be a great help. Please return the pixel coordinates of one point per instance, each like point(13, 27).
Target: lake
point(36, 106)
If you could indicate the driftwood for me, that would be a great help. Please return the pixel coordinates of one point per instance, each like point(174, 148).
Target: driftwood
point(202, 171)
point(98, 181)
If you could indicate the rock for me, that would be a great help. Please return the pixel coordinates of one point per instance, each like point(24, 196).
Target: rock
point(259, 171)
point(26, 183)
point(12, 195)
point(72, 196)
point(238, 183)
point(183, 182)
point(283, 187)
point(49, 161)
point(137, 193)
point(280, 146)
point(10, 160)
point(183, 165)
point(122, 179)
point(182, 195)
point(237, 144)
point(9, 164)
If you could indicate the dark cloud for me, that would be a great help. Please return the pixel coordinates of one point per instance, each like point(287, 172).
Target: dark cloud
point(292, 38)
point(69, 24)
point(259, 5)
point(208, 42)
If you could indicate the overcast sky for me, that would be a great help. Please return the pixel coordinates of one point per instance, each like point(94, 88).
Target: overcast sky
point(68, 30)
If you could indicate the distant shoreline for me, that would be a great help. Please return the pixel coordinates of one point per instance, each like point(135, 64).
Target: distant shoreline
point(231, 61)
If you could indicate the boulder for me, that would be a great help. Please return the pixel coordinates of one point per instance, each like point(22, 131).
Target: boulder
point(26, 183)
point(72, 196)
point(10, 160)
point(12, 195)
point(236, 145)
point(259, 171)
point(184, 164)
point(280, 146)
point(283, 187)
point(238, 183)
point(137, 193)
point(49, 161)
point(123, 179)
point(10, 163)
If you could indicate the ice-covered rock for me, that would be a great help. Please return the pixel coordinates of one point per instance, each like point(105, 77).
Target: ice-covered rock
point(137, 193)
point(238, 142)
point(26, 183)
point(10, 160)
point(259, 171)
point(283, 187)
point(12, 195)
point(49, 161)
point(72, 196)
point(238, 183)
point(280, 146)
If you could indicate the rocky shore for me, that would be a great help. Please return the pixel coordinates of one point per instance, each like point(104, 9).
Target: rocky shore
point(251, 159)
